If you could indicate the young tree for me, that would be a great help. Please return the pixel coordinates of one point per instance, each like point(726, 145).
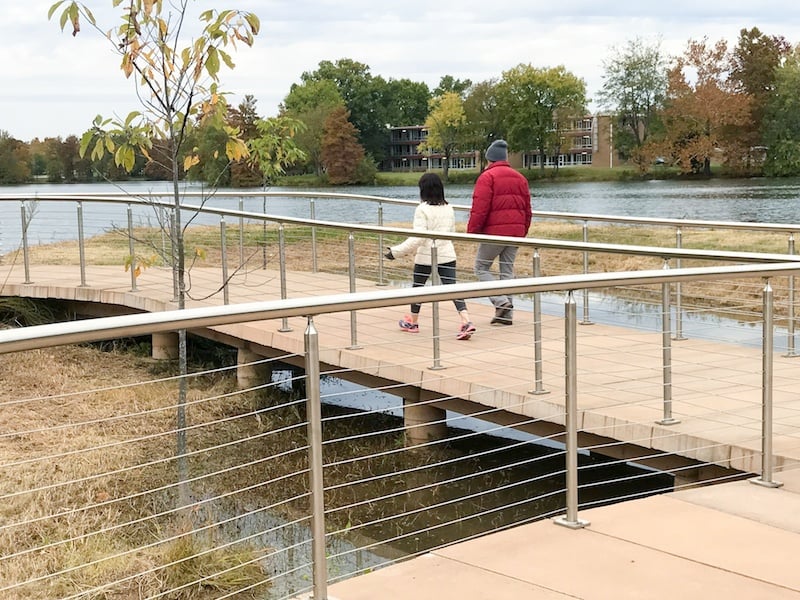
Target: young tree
point(175, 84)
point(341, 152)
point(634, 88)
point(273, 148)
point(533, 101)
point(446, 125)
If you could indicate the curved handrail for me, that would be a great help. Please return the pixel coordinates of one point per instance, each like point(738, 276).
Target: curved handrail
point(656, 251)
point(40, 336)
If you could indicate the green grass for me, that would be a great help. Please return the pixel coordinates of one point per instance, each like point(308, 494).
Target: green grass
point(621, 172)
point(468, 176)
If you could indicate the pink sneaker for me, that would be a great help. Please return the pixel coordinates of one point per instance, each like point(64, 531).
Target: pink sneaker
point(466, 331)
point(406, 325)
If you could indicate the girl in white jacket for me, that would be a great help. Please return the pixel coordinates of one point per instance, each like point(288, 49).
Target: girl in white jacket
point(432, 214)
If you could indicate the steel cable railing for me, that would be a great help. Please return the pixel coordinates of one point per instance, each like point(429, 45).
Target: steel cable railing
point(442, 504)
point(574, 484)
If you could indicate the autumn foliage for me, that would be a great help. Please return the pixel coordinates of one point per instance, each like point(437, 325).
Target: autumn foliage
point(341, 152)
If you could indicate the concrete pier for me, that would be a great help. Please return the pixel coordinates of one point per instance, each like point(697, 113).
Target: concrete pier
point(165, 345)
point(251, 369)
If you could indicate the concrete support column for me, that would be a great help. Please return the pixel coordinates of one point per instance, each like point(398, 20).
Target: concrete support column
point(165, 345)
point(250, 372)
point(423, 422)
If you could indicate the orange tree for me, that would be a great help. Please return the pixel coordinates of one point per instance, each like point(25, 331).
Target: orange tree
point(707, 115)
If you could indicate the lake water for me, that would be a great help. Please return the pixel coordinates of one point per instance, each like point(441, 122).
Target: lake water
point(748, 200)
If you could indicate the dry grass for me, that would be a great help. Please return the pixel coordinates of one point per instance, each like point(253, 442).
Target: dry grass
point(65, 451)
point(80, 485)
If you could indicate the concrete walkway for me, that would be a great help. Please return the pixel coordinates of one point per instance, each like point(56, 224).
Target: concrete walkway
point(730, 541)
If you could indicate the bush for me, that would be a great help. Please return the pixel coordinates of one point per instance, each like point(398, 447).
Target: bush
point(365, 172)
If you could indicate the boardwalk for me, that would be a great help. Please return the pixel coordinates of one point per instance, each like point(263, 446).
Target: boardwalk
point(734, 540)
point(716, 387)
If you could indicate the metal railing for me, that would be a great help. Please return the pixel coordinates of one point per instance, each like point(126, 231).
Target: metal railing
point(336, 505)
point(322, 518)
point(156, 201)
point(671, 328)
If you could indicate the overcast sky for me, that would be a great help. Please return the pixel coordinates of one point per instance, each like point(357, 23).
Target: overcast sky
point(54, 84)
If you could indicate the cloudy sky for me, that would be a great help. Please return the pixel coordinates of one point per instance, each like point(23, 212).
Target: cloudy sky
point(54, 84)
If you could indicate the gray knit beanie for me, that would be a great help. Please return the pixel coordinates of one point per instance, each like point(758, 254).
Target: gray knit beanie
point(498, 150)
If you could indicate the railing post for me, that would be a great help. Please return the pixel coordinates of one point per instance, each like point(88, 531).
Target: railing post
point(319, 563)
point(351, 260)
point(264, 233)
point(537, 330)
point(678, 301)
point(790, 341)
point(241, 234)
point(131, 249)
point(282, 260)
point(766, 391)
point(81, 248)
point(381, 280)
point(586, 320)
point(666, 353)
point(437, 364)
point(313, 214)
point(223, 243)
point(25, 256)
point(571, 415)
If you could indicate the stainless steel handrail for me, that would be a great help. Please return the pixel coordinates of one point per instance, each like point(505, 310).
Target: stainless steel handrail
point(14, 340)
point(27, 338)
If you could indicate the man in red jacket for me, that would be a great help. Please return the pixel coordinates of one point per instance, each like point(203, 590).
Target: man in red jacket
point(501, 205)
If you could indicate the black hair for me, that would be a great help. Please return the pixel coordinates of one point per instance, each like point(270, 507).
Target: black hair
point(431, 189)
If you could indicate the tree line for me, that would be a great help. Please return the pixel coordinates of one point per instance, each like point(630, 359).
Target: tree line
point(736, 107)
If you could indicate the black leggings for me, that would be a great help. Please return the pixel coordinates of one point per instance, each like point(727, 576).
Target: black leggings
point(447, 275)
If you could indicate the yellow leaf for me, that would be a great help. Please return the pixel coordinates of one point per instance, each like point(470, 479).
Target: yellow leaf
point(236, 149)
point(190, 161)
point(127, 65)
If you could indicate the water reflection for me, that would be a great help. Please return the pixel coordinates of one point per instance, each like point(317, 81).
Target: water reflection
point(612, 310)
point(470, 485)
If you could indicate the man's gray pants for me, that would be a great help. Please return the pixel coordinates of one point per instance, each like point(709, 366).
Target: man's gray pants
point(483, 265)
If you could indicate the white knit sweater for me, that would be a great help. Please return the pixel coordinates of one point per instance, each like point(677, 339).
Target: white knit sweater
point(430, 217)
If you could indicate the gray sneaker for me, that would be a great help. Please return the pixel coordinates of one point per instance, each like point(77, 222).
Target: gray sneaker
point(503, 315)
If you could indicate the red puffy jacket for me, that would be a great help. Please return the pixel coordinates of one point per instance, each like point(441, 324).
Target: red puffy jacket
point(501, 202)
